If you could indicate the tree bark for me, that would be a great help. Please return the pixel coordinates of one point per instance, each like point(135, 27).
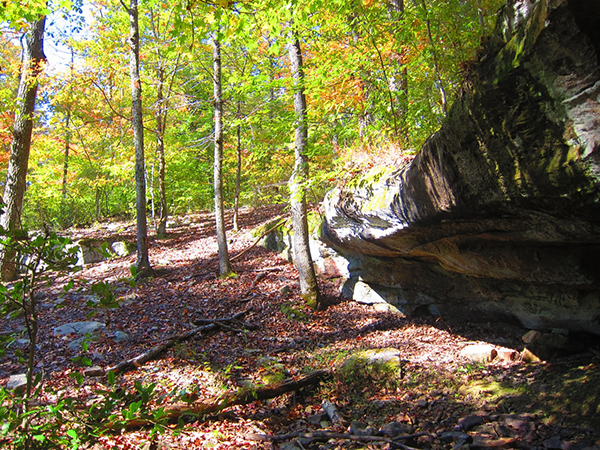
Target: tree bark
point(163, 90)
point(309, 287)
point(436, 67)
point(238, 172)
point(14, 190)
point(143, 262)
point(224, 263)
point(161, 119)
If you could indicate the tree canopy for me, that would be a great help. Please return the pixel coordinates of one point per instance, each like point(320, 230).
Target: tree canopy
point(379, 75)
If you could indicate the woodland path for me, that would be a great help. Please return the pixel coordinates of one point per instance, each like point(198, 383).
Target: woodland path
point(519, 404)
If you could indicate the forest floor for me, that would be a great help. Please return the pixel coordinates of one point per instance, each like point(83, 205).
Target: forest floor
point(442, 398)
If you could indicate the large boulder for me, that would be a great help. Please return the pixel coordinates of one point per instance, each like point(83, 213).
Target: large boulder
point(498, 216)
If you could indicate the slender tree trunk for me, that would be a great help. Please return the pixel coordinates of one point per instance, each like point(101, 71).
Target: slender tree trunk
point(161, 113)
point(143, 262)
point(238, 172)
point(14, 190)
point(480, 17)
point(162, 107)
point(309, 287)
point(63, 201)
point(224, 263)
point(436, 67)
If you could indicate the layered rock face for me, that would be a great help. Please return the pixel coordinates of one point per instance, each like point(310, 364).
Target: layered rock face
point(498, 216)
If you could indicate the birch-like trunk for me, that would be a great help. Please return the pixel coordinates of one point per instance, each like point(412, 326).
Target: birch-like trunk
point(309, 287)
point(224, 263)
point(14, 190)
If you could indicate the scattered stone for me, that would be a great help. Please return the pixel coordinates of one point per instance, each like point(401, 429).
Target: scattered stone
point(457, 437)
point(361, 429)
point(285, 290)
point(470, 422)
point(395, 429)
point(479, 353)
point(556, 442)
point(122, 248)
point(486, 442)
point(22, 343)
point(531, 336)
point(316, 419)
point(120, 336)
point(79, 328)
point(17, 382)
point(76, 344)
point(529, 357)
point(94, 371)
point(550, 340)
point(383, 362)
point(292, 445)
point(422, 403)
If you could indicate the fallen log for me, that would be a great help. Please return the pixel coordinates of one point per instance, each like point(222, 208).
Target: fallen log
point(243, 396)
point(142, 359)
point(243, 252)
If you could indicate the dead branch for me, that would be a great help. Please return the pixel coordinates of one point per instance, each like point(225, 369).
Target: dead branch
point(331, 411)
point(260, 276)
point(243, 252)
point(242, 396)
point(327, 435)
point(140, 360)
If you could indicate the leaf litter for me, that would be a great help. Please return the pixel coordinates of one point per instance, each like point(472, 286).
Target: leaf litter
point(443, 399)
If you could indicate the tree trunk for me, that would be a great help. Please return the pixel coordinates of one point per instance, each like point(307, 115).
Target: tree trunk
point(63, 201)
point(436, 67)
point(224, 263)
point(143, 262)
point(14, 190)
point(238, 173)
point(309, 287)
point(161, 119)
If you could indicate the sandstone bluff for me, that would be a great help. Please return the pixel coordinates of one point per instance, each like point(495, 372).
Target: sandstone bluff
point(498, 217)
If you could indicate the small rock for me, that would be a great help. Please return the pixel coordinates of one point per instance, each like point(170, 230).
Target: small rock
point(94, 371)
point(316, 419)
point(479, 353)
point(422, 403)
point(120, 336)
point(75, 345)
point(395, 429)
point(290, 446)
point(470, 422)
point(285, 290)
point(486, 442)
point(361, 429)
point(79, 328)
point(17, 382)
point(531, 336)
point(22, 343)
point(456, 436)
point(556, 443)
point(529, 357)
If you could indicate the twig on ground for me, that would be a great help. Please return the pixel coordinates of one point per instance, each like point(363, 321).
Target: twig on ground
point(140, 360)
point(243, 252)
